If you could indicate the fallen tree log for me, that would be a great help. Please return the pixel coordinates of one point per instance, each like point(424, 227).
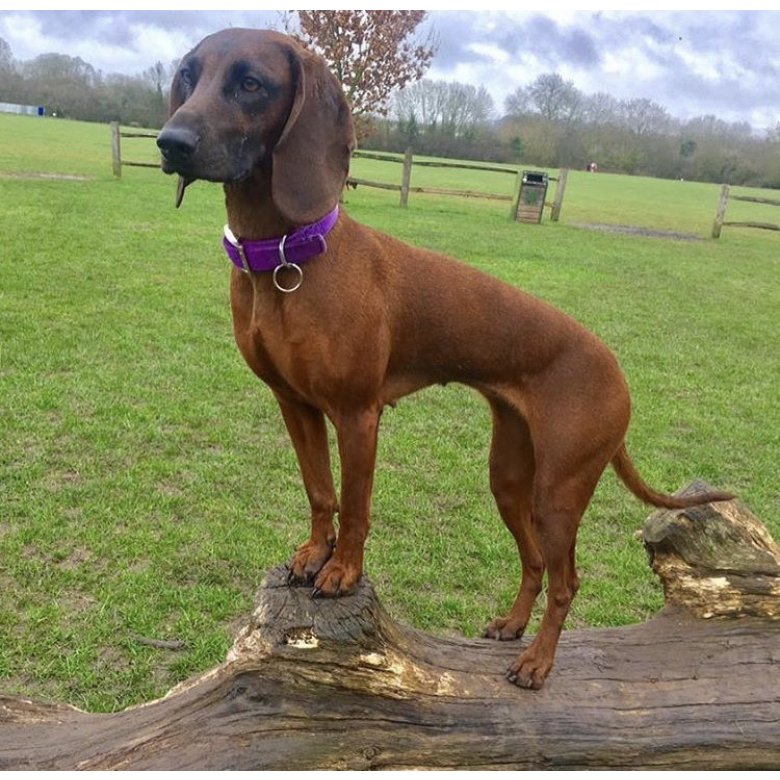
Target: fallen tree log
point(321, 684)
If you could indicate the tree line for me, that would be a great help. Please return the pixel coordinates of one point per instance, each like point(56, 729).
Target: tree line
point(71, 88)
point(550, 123)
point(547, 122)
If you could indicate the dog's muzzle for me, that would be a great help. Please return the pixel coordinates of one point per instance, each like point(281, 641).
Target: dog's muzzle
point(177, 146)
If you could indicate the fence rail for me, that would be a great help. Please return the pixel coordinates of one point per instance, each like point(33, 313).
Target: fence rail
point(721, 222)
point(404, 187)
point(432, 163)
point(116, 149)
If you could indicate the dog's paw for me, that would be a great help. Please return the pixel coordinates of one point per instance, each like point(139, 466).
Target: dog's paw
point(529, 670)
point(504, 629)
point(336, 579)
point(307, 561)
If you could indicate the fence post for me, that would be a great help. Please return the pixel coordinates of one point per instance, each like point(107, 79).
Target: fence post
point(560, 189)
point(516, 196)
point(721, 212)
point(406, 177)
point(116, 149)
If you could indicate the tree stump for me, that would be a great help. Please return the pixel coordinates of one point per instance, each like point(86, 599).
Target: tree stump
point(336, 684)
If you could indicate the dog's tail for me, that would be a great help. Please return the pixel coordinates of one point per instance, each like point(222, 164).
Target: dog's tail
point(625, 469)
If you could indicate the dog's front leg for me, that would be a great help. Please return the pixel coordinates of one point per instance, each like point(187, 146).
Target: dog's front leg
point(357, 440)
point(306, 426)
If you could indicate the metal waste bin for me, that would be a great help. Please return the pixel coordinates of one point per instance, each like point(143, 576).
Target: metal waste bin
point(533, 191)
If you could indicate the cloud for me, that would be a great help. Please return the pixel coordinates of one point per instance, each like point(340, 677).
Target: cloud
point(691, 63)
point(119, 41)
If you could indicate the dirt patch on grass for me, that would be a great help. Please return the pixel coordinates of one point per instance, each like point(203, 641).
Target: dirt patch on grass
point(36, 175)
point(630, 230)
point(75, 602)
point(76, 558)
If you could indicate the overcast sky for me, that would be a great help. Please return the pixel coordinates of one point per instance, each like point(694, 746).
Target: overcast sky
point(725, 63)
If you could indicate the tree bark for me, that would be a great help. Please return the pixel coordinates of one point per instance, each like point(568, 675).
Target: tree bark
point(337, 684)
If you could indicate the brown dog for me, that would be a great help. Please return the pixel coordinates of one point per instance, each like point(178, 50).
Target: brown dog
point(265, 117)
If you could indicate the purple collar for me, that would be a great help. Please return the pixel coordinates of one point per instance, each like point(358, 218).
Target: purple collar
point(270, 254)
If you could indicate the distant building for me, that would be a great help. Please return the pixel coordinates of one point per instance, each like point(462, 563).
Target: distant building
point(15, 108)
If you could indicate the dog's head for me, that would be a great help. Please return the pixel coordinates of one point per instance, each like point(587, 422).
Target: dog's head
point(255, 103)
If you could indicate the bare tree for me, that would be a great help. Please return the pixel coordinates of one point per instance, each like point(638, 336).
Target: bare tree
point(423, 99)
point(518, 103)
point(66, 85)
point(6, 55)
point(710, 126)
point(642, 117)
point(467, 108)
point(448, 106)
point(10, 80)
point(555, 99)
point(158, 76)
point(601, 108)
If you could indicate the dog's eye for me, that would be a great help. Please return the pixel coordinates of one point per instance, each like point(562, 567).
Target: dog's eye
point(249, 84)
point(185, 74)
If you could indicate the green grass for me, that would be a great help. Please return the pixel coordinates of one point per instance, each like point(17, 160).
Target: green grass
point(146, 479)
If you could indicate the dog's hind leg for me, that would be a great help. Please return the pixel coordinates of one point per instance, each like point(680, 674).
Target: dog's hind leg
point(559, 501)
point(511, 480)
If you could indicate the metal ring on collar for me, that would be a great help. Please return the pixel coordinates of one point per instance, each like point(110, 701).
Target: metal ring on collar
point(291, 267)
point(284, 263)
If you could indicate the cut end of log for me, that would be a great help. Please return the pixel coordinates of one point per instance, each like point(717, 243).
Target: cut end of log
point(349, 642)
point(716, 560)
point(287, 616)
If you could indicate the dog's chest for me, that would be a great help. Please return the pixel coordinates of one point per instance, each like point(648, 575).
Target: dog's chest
point(283, 347)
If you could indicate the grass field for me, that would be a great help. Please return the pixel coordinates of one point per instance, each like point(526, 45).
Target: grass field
point(146, 479)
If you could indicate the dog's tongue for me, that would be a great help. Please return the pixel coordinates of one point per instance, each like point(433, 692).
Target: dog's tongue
point(180, 187)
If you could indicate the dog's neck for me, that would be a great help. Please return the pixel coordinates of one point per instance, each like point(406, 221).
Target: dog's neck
point(251, 211)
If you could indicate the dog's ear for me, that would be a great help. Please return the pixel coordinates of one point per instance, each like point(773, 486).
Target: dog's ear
point(177, 96)
point(311, 158)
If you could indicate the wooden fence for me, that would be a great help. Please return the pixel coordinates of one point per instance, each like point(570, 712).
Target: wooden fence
point(403, 187)
point(116, 149)
point(720, 214)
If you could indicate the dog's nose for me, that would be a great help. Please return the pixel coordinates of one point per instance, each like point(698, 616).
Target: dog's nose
point(177, 144)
